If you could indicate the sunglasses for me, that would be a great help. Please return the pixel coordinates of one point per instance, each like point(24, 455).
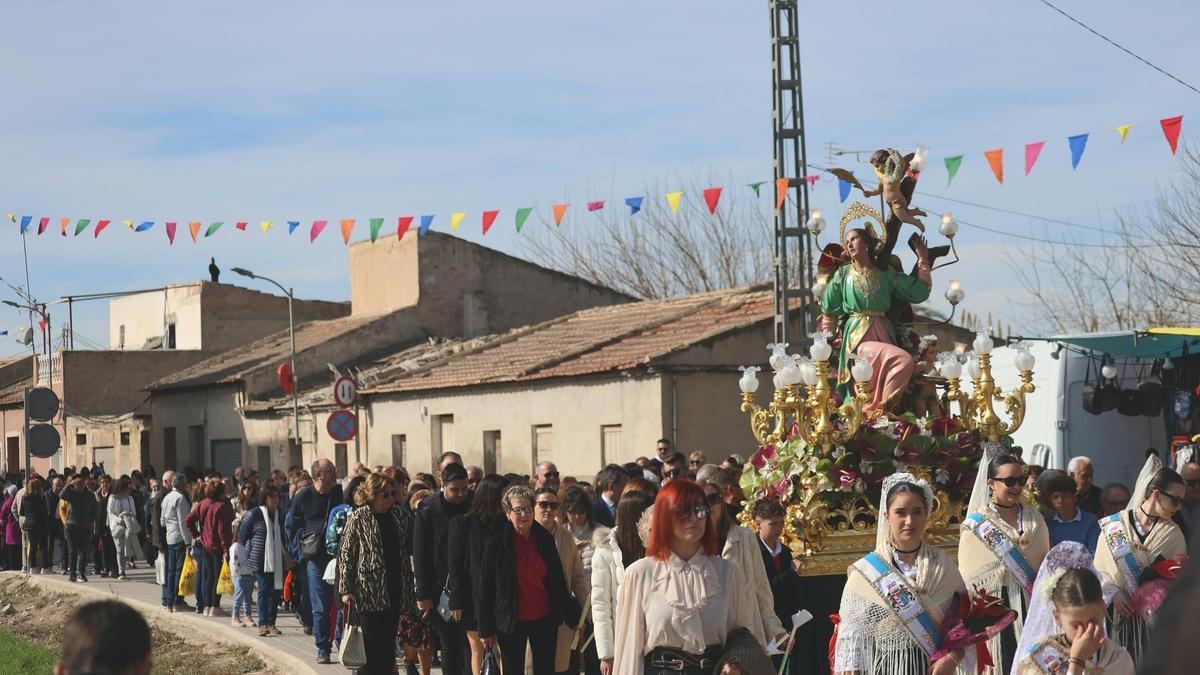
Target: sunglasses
point(549, 506)
point(551, 474)
point(1177, 501)
point(697, 462)
point(698, 511)
point(1192, 483)
point(522, 510)
point(671, 473)
point(1011, 481)
point(713, 499)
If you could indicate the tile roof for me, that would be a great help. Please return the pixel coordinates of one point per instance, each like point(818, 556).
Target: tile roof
point(602, 339)
point(231, 366)
point(15, 392)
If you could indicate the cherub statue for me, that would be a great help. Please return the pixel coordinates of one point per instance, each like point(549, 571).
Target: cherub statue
point(892, 169)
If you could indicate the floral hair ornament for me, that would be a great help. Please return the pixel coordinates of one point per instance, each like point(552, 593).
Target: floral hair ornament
point(897, 478)
point(1051, 583)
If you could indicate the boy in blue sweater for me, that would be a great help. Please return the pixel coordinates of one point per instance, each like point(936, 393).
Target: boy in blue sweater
point(1068, 522)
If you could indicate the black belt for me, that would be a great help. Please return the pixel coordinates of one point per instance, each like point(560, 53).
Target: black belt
point(670, 658)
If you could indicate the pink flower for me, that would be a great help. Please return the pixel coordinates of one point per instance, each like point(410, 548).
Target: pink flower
point(945, 426)
point(765, 454)
point(782, 488)
point(846, 478)
point(905, 429)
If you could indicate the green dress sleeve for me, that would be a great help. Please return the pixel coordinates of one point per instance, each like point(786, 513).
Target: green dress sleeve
point(832, 302)
point(910, 289)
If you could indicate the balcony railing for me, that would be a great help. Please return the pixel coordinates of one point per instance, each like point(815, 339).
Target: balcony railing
point(49, 370)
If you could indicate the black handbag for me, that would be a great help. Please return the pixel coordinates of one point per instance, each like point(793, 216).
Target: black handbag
point(1091, 393)
point(491, 664)
point(312, 544)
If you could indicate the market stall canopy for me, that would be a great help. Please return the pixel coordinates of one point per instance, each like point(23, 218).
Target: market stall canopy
point(1154, 343)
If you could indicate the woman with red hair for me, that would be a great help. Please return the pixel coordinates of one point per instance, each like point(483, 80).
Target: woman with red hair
point(678, 604)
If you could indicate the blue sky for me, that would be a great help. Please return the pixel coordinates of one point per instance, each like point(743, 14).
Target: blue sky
point(305, 110)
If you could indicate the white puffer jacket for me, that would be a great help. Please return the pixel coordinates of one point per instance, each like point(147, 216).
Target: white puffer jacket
point(741, 548)
point(607, 573)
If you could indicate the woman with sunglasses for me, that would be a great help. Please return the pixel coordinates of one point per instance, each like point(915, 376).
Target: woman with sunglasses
point(679, 603)
point(739, 545)
point(547, 514)
point(1001, 546)
point(464, 556)
point(1134, 540)
point(616, 549)
point(523, 596)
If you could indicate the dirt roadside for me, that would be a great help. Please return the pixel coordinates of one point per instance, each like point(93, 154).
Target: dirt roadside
point(37, 614)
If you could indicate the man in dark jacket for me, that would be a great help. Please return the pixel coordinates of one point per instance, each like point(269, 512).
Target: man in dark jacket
point(310, 512)
point(78, 508)
point(431, 566)
point(609, 484)
point(54, 526)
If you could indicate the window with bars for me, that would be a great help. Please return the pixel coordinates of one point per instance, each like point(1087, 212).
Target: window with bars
point(543, 444)
point(610, 443)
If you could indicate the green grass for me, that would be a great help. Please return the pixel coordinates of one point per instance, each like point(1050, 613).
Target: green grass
point(19, 656)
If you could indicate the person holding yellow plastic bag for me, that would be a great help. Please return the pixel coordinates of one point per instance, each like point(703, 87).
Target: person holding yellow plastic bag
point(175, 507)
point(225, 580)
point(187, 576)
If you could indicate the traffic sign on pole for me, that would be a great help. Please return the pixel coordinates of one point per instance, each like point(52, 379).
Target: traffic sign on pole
point(43, 440)
point(345, 391)
point(43, 404)
point(342, 425)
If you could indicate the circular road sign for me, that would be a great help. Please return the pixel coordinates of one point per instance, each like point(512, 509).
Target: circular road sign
point(345, 390)
point(342, 425)
point(43, 440)
point(43, 404)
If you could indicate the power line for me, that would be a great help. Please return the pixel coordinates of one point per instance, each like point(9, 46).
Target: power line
point(1023, 215)
point(1051, 241)
point(1111, 42)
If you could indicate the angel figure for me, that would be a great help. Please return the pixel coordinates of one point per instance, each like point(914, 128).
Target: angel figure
point(892, 168)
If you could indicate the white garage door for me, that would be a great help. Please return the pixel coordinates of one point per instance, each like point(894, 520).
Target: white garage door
point(226, 455)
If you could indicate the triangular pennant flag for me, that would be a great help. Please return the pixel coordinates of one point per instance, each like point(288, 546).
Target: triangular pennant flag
point(952, 164)
point(634, 204)
point(426, 223)
point(293, 225)
point(171, 233)
point(843, 190)
point(100, 227)
point(489, 217)
point(376, 223)
point(241, 225)
point(559, 210)
point(127, 223)
point(1124, 131)
point(595, 206)
point(194, 228)
point(781, 190)
point(212, 228)
point(402, 225)
point(44, 222)
point(42, 325)
point(62, 225)
point(25, 221)
point(523, 214)
point(1171, 127)
point(11, 217)
point(755, 186)
point(82, 225)
point(266, 225)
point(455, 219)
point(1077, 143)
point(144, 226)
point(347, 228)
point(812, 180)
point(318, 227)
point(673, 200)
point(711, 197)
point(995, 160)
point(1032, 150)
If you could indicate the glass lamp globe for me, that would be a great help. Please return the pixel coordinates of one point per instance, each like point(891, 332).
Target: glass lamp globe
point(1024, 360)
point(808, 373)
point(749, 381)
point(789, 374)
point(777, 382)
point(1109, 371)
point(982, 343)
point(949, 226)
point(862, 370)
point(816, 224)
point(818, 289)
point(974, 368)
point(778, 355)
point(950, 368)
point(954, 292)
point(820, 349)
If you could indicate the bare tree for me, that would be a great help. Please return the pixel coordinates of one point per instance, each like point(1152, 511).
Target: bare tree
point(1145, 273)
point(656, 253)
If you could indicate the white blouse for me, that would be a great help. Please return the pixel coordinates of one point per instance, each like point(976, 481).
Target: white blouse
point(685, 604)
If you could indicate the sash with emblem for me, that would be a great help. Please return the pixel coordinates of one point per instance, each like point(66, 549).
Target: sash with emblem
point(1112, 531)
point(1049, 659)
point(1004, 548)
point(901, 598)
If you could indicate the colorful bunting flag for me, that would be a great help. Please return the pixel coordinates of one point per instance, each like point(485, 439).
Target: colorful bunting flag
point(781, 188)
point(144, 226)
point(673, 200)
point(127, 223)
point(489, 217)
point(213, 227)
point(522, 215)
point(99, 227)
point(426, 223)
point(402, 225)
point(1078, 143)
point(25, 221)
point(755, 186)
point(812, 179)
point(43, 223)
point(62, 225)
point(634, 204)
point(376, 223)
point(1032, 150)
point(171, 233)
point(1124, 131)
point(241, 225)
point(293, 225)
point(317, 228)
point(266, 225)
point(455, 219)
point(995, 160)
point(952, 165)
point(843, 190)
point(559, 210)
point(347, 228)
point(711, 197)
point(82, 225)
point(194, 228)
point(11, 217)
point(1171, 127)
point(595, 206)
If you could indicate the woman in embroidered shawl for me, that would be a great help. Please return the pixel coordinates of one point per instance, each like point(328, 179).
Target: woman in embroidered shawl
point(872, 636)
point(1065, 630)
point(1001, 544)
point(859, 294)
point(1133, 540)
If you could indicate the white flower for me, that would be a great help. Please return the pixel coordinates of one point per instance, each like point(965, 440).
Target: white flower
point(825, 484)
point(839, 452)
point(942, 476)
point(865, 468)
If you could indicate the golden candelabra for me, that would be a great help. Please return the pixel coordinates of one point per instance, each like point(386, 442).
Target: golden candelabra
point(976, 411)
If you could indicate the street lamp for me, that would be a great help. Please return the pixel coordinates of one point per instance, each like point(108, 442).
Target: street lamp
point(292, 335)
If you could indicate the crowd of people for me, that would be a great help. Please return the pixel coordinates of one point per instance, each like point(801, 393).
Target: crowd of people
point(644, 569)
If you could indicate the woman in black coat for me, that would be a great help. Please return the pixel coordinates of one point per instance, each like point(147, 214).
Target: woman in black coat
point(468, 535)
point(523, 596)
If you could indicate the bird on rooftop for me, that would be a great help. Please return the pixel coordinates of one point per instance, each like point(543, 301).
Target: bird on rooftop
point(214, 271)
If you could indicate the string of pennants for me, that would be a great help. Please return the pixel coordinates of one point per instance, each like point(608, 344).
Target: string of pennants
point(1171, 128)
